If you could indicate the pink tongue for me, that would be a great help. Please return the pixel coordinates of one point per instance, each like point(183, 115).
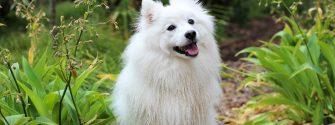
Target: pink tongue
point(193, 50)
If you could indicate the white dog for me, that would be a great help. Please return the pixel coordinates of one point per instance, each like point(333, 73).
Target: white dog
point(171, 73)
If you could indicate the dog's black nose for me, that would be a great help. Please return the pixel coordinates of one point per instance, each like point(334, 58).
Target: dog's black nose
point(191, 35)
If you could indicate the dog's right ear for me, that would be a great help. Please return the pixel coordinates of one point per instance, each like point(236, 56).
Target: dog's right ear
point(150, 10)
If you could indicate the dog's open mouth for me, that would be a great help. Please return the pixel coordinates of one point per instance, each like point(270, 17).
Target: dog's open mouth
point(190, 50)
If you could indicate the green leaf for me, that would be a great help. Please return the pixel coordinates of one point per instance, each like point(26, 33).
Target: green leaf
point(42, 121)
point(286, 38)
point(318, 114)
point(51, 100)
point(37, 101)
point(33, 79)
point(314, 48)
point(81, 78)
point(17, 119)
point(288, 29)
point(281, 100)
point(7, 108)
point(41, 65)
point(328, 51)
point(305, 67)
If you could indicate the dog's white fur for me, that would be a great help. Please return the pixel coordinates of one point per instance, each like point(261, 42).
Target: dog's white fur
point(161, 87)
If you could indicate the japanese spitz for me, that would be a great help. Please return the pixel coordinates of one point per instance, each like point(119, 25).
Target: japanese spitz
point(171, 72)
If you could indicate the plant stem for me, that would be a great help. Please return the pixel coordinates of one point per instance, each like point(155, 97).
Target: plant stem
point(72, 68)
point(3, 116)
point(18, 88)
point(68, 81)
point(78, 41)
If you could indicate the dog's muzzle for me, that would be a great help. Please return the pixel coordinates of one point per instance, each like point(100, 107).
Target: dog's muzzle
point(190, 50)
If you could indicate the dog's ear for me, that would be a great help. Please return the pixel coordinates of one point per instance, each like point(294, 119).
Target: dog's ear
point(150, 9)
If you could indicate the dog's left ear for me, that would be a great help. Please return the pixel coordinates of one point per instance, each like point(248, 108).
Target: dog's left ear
point(150, 10)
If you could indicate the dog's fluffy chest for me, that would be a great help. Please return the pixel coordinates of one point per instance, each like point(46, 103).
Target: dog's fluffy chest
point(170, 94)
point(163, 108)
point(186, 104)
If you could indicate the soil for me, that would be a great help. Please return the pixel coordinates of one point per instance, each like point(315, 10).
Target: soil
point(248, 36)
point(242, 37)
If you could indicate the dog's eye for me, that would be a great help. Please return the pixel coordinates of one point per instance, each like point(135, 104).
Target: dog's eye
point(171, 27)
point(191, 21)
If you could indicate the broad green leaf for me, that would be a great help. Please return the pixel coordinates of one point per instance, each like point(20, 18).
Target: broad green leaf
point(8, 109)
point(82, 77)
point(314, 49)
point(17, 119)
point(34, 81)
point(36, 100)
point(41, 65)
point(42, 121)
point(50, 101)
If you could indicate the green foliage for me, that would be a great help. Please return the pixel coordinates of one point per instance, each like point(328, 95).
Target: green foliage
point(301, 69)
point(56, 83)
point(42, 84)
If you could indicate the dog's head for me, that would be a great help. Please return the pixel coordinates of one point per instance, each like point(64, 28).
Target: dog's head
point(180, 29)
